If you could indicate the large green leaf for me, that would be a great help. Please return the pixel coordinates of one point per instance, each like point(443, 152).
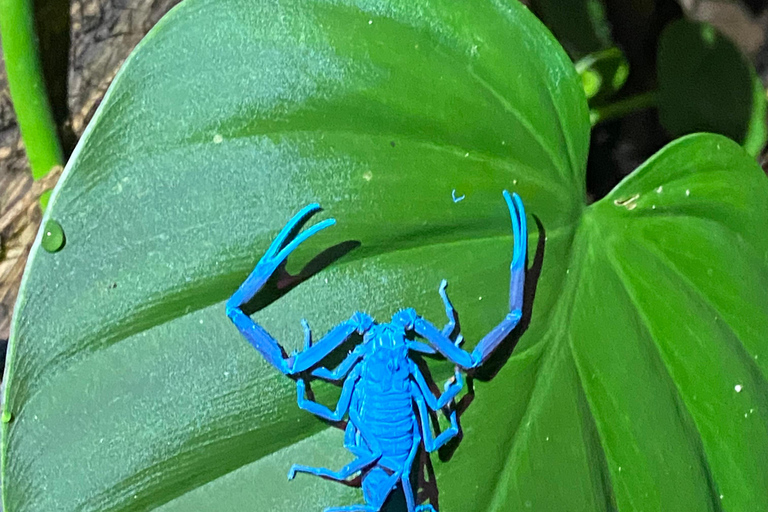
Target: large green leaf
point(128, 388)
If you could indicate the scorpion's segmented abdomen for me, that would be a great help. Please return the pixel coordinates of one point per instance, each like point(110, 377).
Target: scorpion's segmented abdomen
point(390, 417)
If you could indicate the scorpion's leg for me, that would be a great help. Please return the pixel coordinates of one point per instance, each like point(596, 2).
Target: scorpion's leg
point(450, 390)
point(343, 369)
point(322, 411)
point(365, 458)
point(430, 442)
point(375, 495)
point(377, 482)
point(405, 479)
point(357, 465)
point(371, 441)
point(359, 322)
point(351, 442)
point(488, 344)
point(354, 508)
point(450, 311)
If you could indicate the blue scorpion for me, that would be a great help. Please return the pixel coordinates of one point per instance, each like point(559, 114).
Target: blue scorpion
point(383, 387)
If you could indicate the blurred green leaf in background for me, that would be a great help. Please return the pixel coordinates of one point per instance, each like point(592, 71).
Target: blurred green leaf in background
point(581, 26)
point(705, 84)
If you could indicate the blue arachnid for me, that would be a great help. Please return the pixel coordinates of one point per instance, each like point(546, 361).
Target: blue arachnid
point(384, 394)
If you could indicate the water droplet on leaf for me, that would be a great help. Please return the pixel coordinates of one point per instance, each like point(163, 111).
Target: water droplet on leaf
point(53, 236)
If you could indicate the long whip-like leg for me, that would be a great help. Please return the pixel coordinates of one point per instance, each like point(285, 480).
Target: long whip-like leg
point(321, 410)
point(432, 443)
point(452, 388)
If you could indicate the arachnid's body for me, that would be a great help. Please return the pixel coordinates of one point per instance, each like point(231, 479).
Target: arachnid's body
point(384, 394)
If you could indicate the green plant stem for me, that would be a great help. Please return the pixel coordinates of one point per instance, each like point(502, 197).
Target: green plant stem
point(27, 86)
point(623, 107)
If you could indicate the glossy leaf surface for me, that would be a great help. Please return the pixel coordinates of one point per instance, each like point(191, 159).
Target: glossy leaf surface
point(129, 389)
